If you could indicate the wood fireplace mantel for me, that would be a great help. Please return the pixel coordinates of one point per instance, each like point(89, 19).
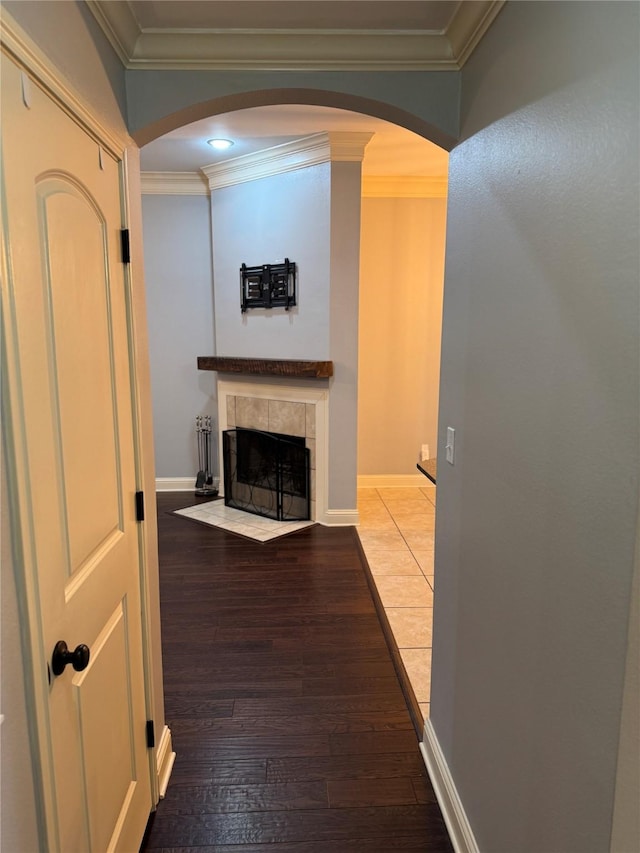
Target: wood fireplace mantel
point(268, 366)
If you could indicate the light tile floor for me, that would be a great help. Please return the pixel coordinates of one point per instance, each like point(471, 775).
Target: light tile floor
point(397, 534)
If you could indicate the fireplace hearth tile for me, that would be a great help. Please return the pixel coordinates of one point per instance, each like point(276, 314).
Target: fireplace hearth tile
point(255, 527)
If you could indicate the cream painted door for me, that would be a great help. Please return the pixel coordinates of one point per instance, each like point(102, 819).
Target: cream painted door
point(69, 383)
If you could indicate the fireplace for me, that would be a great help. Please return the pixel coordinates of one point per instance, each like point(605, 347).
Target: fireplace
point(282, 406)
point(267, 474)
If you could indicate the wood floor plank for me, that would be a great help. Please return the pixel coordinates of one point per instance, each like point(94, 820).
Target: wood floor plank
point(406, 844)
point(291, 730)
point(338, 686)
point(214, 645)
point(225, 799)
point(351, 793)
point(423, 790)
point(210, 709)
point(372, 743)
point(301, 706)
point(201, 727)
point(204, 773)
point(377, 766)
point(253, 746)
point(266, 668)
point(320, 825)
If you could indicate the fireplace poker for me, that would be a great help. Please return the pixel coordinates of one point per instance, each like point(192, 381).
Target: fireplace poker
point(204, 479)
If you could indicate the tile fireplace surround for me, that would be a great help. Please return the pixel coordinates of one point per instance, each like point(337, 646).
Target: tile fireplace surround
point(284, 408)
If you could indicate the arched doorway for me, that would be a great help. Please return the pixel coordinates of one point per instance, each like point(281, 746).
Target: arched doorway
point(407, 306)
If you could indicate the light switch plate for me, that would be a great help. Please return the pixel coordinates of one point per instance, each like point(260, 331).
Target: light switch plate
point(450, 446)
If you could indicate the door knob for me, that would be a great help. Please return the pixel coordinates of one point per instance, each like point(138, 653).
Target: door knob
point(78, 658)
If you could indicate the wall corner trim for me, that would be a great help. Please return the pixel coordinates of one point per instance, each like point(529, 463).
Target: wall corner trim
point(176, 484)
point(393, 481)
point(339, 518)
point(446, 793)
point(165, 758)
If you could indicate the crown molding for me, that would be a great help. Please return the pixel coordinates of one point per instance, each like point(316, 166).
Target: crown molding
point(469, 25)
point(173, 183)
point(295, 50)
point(373, 186)
point(120, 26)
point(292, 50)
point(308, 151)
point(391, 186)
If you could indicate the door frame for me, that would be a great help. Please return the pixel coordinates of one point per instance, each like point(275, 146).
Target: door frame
point(26, 55)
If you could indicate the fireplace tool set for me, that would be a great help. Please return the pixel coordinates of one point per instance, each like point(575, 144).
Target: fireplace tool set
point(204, 479)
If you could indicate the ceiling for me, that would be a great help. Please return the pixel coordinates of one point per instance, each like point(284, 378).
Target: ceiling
point(417, 35)
point(301, 14)
point(276, 35)
point(393, 151)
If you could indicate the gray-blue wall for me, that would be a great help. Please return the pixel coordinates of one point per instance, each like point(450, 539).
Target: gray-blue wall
point(261, 222)
point(536, 523)
point(425, 101)
point(178, 268)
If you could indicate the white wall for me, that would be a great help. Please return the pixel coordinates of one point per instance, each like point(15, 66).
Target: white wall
point(537, 520)
point(178, 265)
point(260, 222)
point(401, 280)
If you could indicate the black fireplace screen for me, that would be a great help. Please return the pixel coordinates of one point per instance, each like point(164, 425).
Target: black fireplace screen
point(267, 474)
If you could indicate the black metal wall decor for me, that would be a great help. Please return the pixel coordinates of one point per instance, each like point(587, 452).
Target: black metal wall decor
point(268, 286)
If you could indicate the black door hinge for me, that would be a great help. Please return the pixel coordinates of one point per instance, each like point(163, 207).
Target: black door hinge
point(139, 506)
point(151, 735)
point(124, 243)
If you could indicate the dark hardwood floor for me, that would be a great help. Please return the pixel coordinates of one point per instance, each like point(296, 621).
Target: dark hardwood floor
point(290, 727)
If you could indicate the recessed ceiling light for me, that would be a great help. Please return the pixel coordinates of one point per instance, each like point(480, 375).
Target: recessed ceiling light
point(220, 144)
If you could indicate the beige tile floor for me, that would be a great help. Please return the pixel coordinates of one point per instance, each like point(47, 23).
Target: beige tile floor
point(397, 530)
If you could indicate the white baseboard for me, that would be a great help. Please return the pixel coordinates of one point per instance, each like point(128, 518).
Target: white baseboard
point(339, 518)
point(175, 484)
point(453, 812)
point(394, 481)
point(165, 756)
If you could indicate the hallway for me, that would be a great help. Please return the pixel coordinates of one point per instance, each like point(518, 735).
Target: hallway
point(289, 724)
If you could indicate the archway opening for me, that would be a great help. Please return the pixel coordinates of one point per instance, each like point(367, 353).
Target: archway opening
point(391, 319)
